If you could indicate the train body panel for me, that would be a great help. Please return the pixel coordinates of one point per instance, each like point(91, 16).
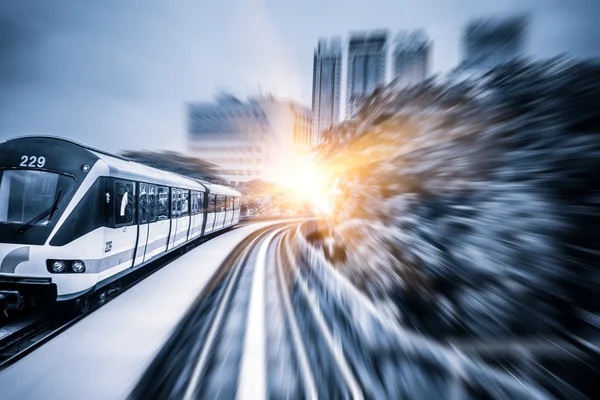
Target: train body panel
point(73, 218)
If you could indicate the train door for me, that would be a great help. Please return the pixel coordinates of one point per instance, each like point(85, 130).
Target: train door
point(224, 211)
point(220, 212)
point(196, 217)
point(226, 208)
point(175, 206)
point(160, 224)
point(210, 214)
point(231, 211)
point(200, 214)
point(183, 225)
point(238, 209)
point(143, 224)
point(121, 238)
point(193, 216)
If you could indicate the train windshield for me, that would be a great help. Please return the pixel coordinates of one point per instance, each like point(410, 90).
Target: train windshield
point(26, 194)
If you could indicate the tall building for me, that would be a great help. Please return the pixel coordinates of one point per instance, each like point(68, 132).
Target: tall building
point(411, 58)
point(367, 60)
point(327, 80)
point(487, 43)
point(260, 138)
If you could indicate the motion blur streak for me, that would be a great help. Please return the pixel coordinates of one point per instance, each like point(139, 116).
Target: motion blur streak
point(473, 218)
point(433, 168)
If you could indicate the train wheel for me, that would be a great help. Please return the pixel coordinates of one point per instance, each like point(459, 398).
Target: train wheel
point(83, 304)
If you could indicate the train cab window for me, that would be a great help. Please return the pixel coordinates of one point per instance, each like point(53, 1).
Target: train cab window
point(25, 194)
point(124, 195)
point(152, 203)
point(185, 204)
point(212, 203)
point(163, 203)
point(143, 203)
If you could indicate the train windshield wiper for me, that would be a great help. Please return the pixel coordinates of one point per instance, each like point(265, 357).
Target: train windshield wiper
point(50, 212)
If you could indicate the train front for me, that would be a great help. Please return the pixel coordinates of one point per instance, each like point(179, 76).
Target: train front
point(38, 179)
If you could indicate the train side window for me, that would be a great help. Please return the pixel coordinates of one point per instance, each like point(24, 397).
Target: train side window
point(185, 204)
point(174, 203)
point(163, 203)
point(152, 203)
point(200, 202)
point(212, 201)
point(124, 209)
point(143, 203)
point(179, 202)
point(192, 203)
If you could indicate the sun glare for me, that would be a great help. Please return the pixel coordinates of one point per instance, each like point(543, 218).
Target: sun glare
point(311, 185)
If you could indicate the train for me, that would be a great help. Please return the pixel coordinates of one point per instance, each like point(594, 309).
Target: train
point(75, 219)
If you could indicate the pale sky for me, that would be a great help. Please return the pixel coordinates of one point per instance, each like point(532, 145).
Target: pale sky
point(116, 74)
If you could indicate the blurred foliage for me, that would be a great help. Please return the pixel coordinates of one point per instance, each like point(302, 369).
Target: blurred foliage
point(176, 162)
point(262, 198)
point(474, 205)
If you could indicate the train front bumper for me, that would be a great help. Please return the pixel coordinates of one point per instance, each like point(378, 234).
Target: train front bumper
point(19, 292)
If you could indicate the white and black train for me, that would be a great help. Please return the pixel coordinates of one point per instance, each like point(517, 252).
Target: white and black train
point(74, 219)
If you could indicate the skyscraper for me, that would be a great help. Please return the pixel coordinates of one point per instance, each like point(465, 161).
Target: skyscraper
point(411, 58)
point(490, 42)
point(367, 59)
point(327, 79)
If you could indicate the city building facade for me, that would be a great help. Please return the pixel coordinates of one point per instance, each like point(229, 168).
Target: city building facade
point(327, 85)
point(487, 43)
point(410, 58)
point(367, 67)
point(260, 138)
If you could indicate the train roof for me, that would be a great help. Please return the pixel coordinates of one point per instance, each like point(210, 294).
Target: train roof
point(220, 189)
point(127, 169)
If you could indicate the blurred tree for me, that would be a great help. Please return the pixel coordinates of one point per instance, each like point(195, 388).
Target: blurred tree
point(485, 190)
point(262, 198)
point(176, 162)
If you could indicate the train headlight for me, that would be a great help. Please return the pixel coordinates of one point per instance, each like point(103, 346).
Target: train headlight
point(58, 266)
point(78, 266)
